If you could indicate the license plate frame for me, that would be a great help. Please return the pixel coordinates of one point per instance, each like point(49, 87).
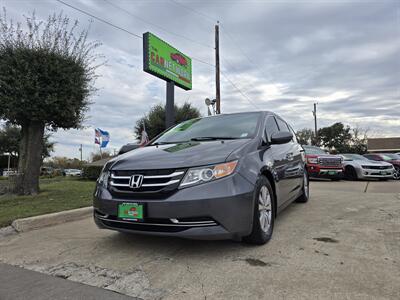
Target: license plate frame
point(131, 211)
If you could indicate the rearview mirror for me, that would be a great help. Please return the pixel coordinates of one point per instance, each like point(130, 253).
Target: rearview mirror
point(282, 137)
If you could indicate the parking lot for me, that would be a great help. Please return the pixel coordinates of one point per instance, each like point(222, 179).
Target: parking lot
point(343, 244)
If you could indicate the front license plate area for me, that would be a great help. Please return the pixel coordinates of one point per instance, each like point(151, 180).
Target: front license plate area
point(332, 172)
point(131, 211)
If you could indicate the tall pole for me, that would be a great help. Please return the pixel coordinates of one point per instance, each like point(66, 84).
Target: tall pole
point(9, 161)
point(315, 124)
point(80, 150)
point(217, 71)
point(169, 107)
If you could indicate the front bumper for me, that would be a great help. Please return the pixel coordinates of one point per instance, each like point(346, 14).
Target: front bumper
point(226, 203)
point(319, 172)
point(374, 173)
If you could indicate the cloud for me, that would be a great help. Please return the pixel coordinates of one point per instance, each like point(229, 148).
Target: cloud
point(283, 55)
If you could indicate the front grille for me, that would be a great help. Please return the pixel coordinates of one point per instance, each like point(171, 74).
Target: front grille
point(330, 162)
point(155, 183)
point(377, 167)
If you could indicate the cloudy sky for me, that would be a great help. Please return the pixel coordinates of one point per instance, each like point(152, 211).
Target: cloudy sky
point(282, 55)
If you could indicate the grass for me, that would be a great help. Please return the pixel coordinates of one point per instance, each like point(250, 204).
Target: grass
point(57, 194)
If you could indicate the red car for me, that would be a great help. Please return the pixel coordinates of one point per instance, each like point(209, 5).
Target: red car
point(179, 59)
point(323, 165)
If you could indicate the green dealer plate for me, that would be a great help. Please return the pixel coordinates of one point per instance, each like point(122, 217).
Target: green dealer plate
point(130, 211)
point(332, 172)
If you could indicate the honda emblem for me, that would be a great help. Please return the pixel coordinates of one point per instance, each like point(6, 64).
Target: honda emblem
point(136, 181)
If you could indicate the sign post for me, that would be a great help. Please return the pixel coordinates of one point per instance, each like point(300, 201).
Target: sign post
point(166, 62)
point(169, 107)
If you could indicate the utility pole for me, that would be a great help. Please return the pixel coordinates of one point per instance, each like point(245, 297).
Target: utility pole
point(217, 71)
point(315, 124)
point(81, 150)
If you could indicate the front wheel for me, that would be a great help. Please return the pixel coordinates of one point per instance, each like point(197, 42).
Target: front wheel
point(351, 173)
point(264, 213)
point(306, 190)
point(396, 174)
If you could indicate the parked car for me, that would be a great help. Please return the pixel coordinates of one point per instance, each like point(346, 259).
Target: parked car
point(321, 164)
point(387, 157)
point(72, 172)
point(218, 177)
point(359, 167)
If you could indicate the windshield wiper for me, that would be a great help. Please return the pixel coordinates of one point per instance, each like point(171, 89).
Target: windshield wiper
point(213, 138)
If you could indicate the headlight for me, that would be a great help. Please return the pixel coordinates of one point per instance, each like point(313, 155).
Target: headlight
point(103, 178)
point(312, 160)
point(200, 175)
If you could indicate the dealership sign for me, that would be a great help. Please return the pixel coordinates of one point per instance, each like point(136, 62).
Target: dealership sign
point(166, 62)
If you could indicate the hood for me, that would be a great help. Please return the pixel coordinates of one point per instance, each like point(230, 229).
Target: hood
point(181, 155)
point(365, 163)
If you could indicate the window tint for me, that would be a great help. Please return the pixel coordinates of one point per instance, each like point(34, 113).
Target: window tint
point(271, 127)
point(282, 125)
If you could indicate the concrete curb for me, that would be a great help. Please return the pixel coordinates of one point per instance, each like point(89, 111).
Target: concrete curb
point(27, 224)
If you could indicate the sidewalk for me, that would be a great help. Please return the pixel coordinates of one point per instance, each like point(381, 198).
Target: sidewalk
point(21, 284)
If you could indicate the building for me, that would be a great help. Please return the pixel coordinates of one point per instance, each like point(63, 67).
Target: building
point(384, 144)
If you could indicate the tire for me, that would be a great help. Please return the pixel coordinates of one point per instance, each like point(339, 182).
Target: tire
point(264, 210)
point(305, 195)
point(351, 173)
point(396, 174)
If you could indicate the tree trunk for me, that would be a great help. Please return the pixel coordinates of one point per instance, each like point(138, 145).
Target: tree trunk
point(30, 158)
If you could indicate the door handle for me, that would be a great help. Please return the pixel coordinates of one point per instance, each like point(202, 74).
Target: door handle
point(289, 156)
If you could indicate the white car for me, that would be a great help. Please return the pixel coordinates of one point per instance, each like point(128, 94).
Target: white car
point(72, 172)
point(359, 167)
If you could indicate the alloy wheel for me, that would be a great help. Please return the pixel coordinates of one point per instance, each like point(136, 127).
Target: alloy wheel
point(396, 174)
point(265, 208)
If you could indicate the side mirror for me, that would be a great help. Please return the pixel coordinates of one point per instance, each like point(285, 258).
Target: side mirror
point(282, 137)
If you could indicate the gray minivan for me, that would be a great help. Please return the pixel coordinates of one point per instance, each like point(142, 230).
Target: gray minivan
point(219, 177)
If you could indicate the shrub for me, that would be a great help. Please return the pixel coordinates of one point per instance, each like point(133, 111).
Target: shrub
point(91, 172)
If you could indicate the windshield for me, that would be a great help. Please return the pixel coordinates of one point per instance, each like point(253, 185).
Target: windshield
point(386, 157)
point(313, 150)
point(353, 157)
point(235, 126)
point(392, 156)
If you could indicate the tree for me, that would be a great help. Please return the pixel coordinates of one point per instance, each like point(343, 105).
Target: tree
point(155, 119)
point(305, 136)
point(359, 140)
point(46, 78)
point(336, 137)
point(59, 162)
point(10, 138)
point(97, 156)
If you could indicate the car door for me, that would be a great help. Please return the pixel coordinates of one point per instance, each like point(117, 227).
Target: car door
point(278, 153)
point(294, 170)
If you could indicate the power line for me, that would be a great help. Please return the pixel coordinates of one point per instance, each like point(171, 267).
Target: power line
point(247, 57)
point(99, 19)
point(120, 28)
point(195, 11)
point(157, 26)
point(240, 91)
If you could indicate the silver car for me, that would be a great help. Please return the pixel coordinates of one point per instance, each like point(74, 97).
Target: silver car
point(359, 167)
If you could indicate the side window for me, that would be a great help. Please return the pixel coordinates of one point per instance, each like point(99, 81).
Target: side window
point(282, 125)
point(270, 127)
point(294, 134)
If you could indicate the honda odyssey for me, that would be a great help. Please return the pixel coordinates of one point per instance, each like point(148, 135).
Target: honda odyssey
point(219, 177)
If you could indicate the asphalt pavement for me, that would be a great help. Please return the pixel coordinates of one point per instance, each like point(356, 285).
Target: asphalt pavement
point(21, 284)
point(343, 244)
